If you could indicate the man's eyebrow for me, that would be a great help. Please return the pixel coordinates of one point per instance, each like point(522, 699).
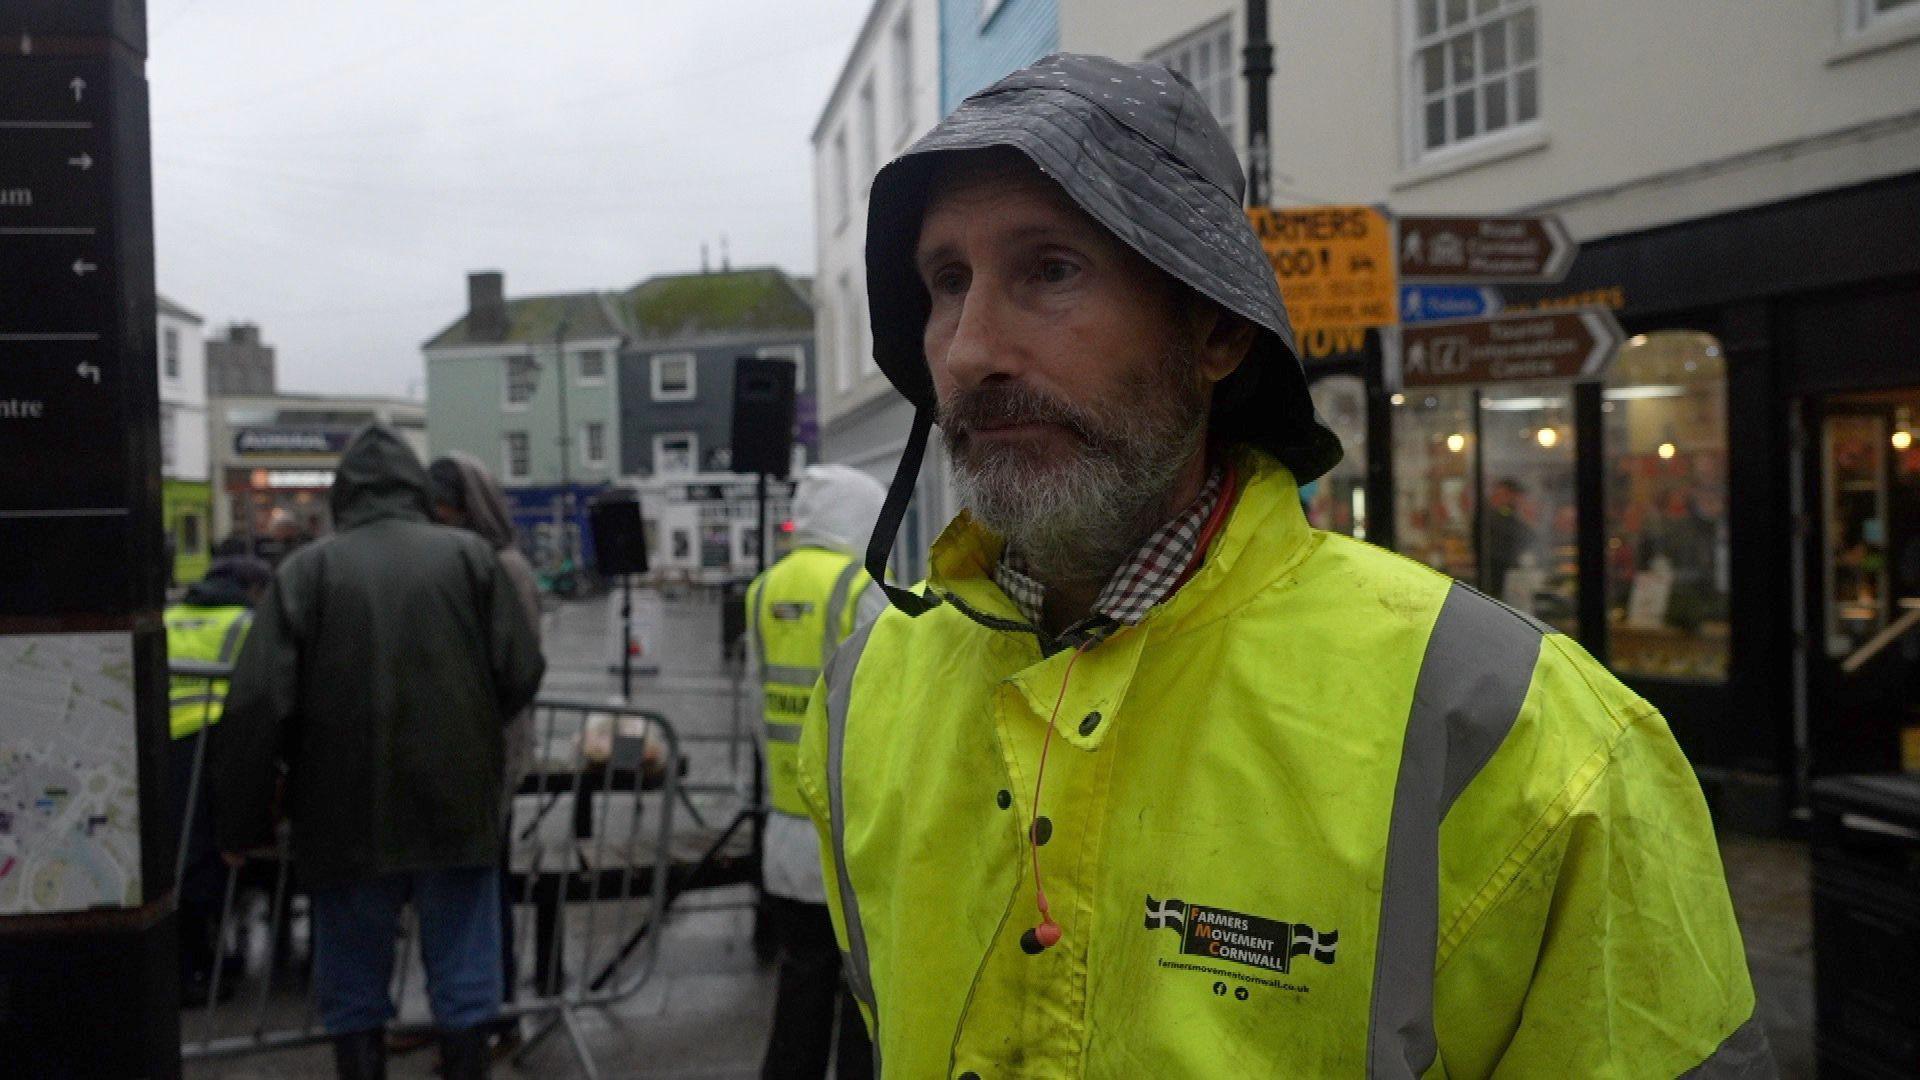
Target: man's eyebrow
point(921, 257)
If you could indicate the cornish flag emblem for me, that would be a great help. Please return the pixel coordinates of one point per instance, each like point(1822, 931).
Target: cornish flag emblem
point(1170, 914)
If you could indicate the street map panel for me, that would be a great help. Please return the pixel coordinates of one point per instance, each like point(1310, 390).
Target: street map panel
point(69, 802)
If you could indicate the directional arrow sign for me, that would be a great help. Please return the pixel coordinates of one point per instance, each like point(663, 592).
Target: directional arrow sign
point(1573, 344)
point(82, 267)
point(1444, 248)
point(83, 162)
point(78, 86)
point(1425, 303)
point(89, 371)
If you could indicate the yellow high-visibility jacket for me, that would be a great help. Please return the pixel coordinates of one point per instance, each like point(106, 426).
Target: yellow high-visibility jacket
point(1323, 812)
point(801, 608)
point(210, 635)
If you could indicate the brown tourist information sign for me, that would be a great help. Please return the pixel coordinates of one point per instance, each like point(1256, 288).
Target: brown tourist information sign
point(1517, 250)
point(1510, 348)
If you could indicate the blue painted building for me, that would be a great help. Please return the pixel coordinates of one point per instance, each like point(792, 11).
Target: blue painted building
point(981, 40)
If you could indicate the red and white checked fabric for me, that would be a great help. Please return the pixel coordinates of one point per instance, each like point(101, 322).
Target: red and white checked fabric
point(1145, 579)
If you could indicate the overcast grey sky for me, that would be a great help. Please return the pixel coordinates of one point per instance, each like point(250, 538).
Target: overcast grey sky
point(332, 170)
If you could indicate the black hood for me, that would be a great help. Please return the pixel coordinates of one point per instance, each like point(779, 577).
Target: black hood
point(379, 477)
point(218, 592)
point(1135, 147)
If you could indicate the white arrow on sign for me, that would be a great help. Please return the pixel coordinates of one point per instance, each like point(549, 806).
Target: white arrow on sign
point(88, 371)
point(1607, 339)
point(1564, 249)
point(79, 86)
point(83, 162)
point(82, 267)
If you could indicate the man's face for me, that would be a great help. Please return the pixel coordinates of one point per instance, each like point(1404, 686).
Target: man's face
point(1072, 377)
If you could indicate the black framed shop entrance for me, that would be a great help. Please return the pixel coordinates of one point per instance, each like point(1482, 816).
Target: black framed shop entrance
point(1698, 569)
point(1860, 615)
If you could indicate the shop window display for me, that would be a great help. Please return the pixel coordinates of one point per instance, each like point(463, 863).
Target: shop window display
point(1665, 417)
point(1337, 501)
point(1529, 528)
point(1483, 490)
point(1435, 466)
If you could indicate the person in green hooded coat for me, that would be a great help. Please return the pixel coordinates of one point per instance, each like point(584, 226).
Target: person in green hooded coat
point(380, 674)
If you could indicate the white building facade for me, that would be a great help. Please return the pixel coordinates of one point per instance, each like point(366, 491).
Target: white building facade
point(887, 95)
point(186, 473)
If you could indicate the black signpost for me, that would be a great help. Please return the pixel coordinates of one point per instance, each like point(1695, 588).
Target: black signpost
point(87, 966)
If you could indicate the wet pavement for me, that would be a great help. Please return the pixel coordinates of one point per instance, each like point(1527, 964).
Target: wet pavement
point(705, 1011)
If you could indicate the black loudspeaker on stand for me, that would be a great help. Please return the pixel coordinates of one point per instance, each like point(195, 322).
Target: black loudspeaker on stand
point(762, 416)
point(620, 549)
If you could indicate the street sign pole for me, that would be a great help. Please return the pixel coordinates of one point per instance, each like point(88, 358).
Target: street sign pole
point(88, 962)
point(1259, 68)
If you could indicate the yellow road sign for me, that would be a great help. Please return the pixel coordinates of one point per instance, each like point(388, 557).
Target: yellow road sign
point(1334, 263)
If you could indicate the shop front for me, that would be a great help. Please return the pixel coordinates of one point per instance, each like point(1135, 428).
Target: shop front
point(1727, 515)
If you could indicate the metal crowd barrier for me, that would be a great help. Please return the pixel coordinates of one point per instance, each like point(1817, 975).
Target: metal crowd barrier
point(594, 865)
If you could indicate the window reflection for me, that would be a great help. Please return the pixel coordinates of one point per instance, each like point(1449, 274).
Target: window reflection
point(1337, 501)
point(1529, 529)
point(1433, 480)
point(1667, 568)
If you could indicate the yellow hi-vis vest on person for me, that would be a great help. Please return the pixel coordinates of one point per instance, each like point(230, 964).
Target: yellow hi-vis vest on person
point(211, 635)
point(802, 607)
point(1322, 813)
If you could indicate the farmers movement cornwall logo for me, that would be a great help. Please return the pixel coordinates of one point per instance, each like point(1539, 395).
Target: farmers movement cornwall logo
point(1244, 939)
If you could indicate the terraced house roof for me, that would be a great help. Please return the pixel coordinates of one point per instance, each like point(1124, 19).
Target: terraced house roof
point(536, 319)
point(675, 306)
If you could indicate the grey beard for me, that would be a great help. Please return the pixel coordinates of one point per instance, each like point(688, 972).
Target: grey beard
point(1077, 520)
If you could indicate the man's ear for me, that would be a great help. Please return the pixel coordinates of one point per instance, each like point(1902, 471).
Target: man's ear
point(1221, 338)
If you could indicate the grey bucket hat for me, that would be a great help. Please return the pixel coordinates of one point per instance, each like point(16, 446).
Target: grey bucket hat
point(1135, 147)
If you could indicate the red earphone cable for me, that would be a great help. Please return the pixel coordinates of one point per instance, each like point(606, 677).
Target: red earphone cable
point(1215, 520)
point(1039, 778)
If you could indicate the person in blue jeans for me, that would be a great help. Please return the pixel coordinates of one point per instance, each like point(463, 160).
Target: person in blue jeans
point(380, 675)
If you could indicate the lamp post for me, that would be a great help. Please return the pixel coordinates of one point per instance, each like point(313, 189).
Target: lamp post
point(1259, 67)
point(566, 464)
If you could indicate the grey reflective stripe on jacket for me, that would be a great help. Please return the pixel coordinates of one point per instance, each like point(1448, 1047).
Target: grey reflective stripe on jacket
point(1745, 1055)
point(840, 669)
point(230, 644)
point(836, 601)
point(1478, 665)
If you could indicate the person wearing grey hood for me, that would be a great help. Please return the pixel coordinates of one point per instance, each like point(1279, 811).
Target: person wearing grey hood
point(798, 611)
point(1301, 807)
point(466, 496)
point(381, 671)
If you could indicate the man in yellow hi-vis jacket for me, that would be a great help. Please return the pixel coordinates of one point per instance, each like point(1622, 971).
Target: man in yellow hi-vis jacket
point(1153, 779)
point(207, 626)
point(798, 612)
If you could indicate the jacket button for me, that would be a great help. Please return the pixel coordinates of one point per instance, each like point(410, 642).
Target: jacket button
point(1004, 799)
point(1089, 722)
point(1042, 831)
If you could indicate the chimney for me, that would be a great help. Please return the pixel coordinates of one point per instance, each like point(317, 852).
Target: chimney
point(487, 305)
point(243, 334)
point(703, 257)
point(726, 260)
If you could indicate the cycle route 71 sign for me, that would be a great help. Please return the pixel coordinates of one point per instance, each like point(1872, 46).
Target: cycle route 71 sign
point(1335, 264)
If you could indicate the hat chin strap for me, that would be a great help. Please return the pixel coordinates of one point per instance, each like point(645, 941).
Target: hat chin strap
point(895, 510)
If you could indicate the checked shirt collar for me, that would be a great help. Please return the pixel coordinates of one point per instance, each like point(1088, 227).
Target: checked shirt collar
point(1144, 580)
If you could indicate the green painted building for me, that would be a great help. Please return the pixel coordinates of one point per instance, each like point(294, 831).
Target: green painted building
point(495, 391)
